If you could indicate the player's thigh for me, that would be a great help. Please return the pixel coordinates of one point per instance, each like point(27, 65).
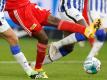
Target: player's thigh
point(71, 14)
point(7, 33)
point(5, 28)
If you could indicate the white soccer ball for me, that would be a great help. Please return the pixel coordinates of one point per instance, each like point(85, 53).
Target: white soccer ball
point(92, 65)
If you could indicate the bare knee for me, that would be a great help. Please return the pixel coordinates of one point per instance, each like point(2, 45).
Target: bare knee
point(41, 37)
point(43, 40)
point(13, 40)
point(10, 36)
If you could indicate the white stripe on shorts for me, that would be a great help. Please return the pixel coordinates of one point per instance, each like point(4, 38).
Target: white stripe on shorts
point(21, 22)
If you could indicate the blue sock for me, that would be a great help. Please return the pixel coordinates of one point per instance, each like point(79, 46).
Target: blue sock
point(63, 51)
point(101, 35)
point(80, 37)
point(15, 49)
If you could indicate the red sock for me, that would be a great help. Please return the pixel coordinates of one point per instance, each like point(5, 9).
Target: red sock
point(41, 52)
point(91, 41)
point(71, 27)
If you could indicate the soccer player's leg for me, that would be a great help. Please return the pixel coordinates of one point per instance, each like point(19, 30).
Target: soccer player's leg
point(97, 45)
point(73, 27)
point(56, 49)
point(7, 33)
point(41, 51)
point(42, 38)
point(100, 37)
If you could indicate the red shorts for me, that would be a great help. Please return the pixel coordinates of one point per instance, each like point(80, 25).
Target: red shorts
point(30, 17)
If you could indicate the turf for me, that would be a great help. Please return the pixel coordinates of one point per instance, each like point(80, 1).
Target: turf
point(68, 68)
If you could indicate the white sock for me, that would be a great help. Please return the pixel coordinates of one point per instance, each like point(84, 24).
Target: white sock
point(47, 60)
point(65, 41)
point(20, 58)
point(51, 59)
point(95, 49)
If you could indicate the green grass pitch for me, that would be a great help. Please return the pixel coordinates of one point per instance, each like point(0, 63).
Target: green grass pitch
point(68, 68)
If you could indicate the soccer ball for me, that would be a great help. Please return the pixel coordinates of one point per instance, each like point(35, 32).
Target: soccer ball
point(92, 65)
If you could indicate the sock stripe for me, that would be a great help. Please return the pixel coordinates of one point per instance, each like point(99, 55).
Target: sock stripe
point(40, 45)
point(15, 49)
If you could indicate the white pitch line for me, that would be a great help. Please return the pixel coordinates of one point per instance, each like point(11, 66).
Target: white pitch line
point(56, 62)
point(8, 62)
point(62, 62)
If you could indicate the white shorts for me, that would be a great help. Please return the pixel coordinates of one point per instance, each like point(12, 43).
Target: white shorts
point(94, 15)
point(104, 22)
point(71, 14)
point(4, 26)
